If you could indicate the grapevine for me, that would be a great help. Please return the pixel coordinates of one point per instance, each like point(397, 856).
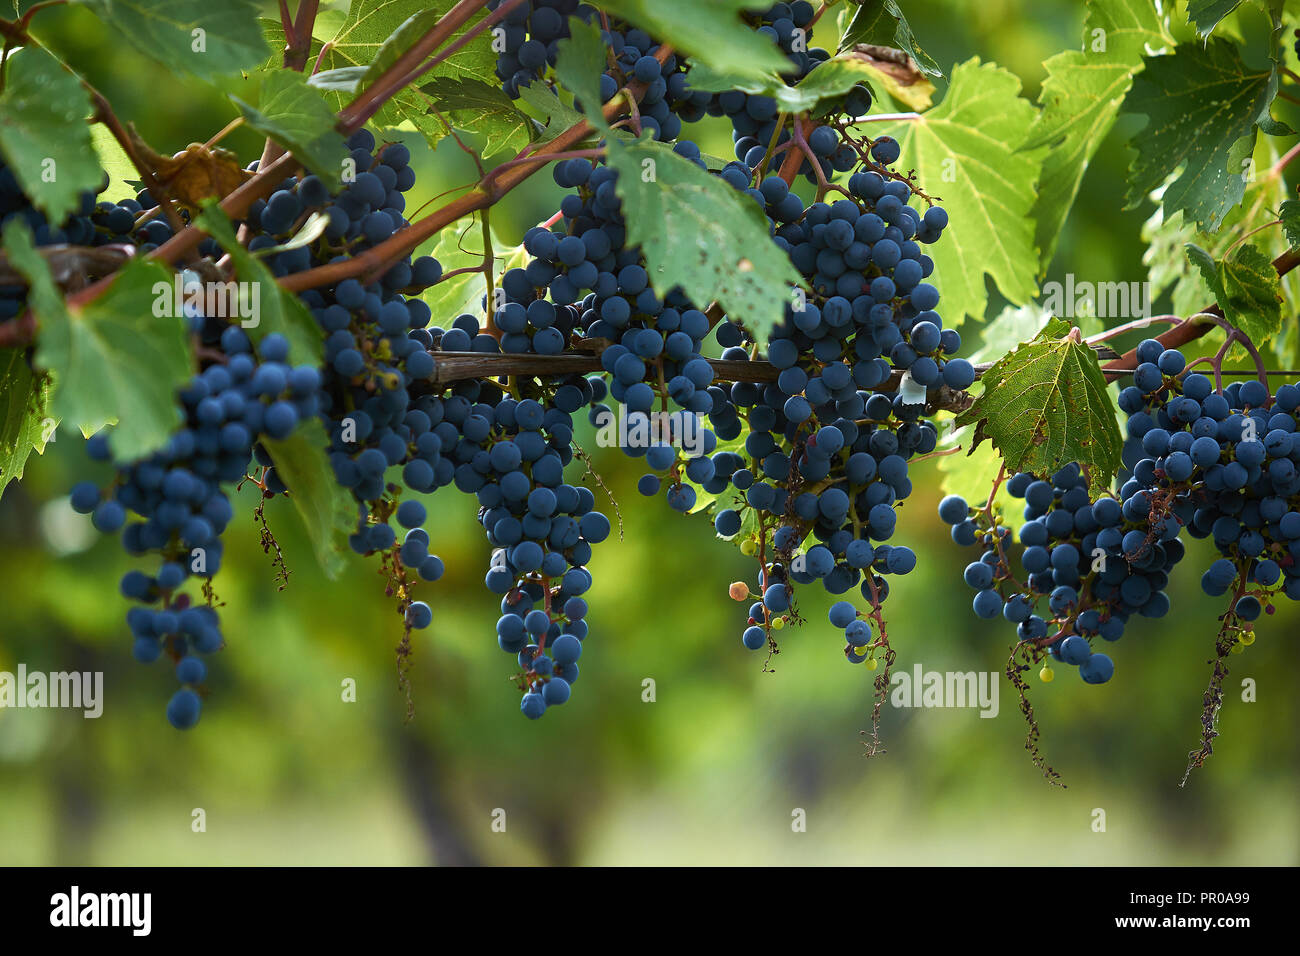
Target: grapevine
point(772, 336)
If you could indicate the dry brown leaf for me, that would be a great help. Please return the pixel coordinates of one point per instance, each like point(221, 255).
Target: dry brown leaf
point(196, 173)
point(898, 73)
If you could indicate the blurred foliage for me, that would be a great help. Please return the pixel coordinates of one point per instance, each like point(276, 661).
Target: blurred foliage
point(711, 771)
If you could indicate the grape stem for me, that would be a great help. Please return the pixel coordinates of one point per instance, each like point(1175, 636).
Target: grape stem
point(1119, 330)
point(522, 160)
point(1285, 160)
point(987, 511)
point(1213, 698)
point(412, 63)
point(299, 35)
point(881, 682)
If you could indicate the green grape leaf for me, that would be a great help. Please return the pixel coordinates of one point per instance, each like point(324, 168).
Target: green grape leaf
point(1080, 100)
point(554, 113)
point(1289, 213)
point(1012, 327)
point(971, 475)
point(25, 425)
point(1166, 256)
point(266, 307)
point(1045, 405)
point(1246, 287)
point(116, 358)
point(44, 137)
point(482, 108)
point(698, 233)
point(881, 22)
point(460, 246)
point(123, 177)
point(580, 60)
point(208, 38)
point(1207, 14)
point(327, 509)
point(376, 32)
point(711, 33)
point(1203, 103)
point(966, 150)
point(297, 117)
point(717, 81)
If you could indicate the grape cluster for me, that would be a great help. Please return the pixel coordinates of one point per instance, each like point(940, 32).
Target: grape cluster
point(178, 493)
point(815, 462)
point(1091, 560)
point(826, 445)
point(376, 339)
point(529, 35)
point(385, 412)
point(1223, 464)
point(1220, 464)
point(376, 350)
point(655, 353)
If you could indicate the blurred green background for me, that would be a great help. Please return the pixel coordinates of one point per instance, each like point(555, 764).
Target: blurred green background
point(712, 770)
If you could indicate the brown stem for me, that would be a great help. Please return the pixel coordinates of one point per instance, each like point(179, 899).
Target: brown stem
point(1180, 335)
point(492, 19)
point(393, 80)
point(793, 160)
point(304, 26)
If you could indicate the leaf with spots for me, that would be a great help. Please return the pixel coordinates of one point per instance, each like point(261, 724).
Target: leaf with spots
point(1045, 405)
point(1289, 213)
point(1203, 104)
point(699, 233)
